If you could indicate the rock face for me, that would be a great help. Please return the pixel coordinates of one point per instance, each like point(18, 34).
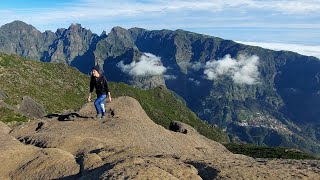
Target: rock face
point(3, 95)
point(29, 107)
point(70, 43)
point(3, 104)
point(129, 146)
point(21, 38)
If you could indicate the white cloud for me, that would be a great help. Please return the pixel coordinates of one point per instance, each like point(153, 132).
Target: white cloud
point(293, 6)
point(243, 70)
point(196, 82)
point(169, 77)
point(102, 9)
point(148, 65)
point(132, 7)
point(307, 50)
point(196, 66)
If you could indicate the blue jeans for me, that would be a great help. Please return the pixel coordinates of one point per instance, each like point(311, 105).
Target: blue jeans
point(99, 104)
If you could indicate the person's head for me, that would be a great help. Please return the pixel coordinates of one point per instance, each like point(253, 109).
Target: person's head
point(95, 71)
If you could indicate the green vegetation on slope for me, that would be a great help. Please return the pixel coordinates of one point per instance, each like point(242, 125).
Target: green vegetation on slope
point(54, 85)
point(7, 115)
point(267, 152)
point(58, 87)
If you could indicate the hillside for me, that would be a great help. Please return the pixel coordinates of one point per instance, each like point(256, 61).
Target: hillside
point(58, 87)
point(257, 95)
point(129, 146)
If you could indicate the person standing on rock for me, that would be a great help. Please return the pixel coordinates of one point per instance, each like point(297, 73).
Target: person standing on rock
point(99, 82)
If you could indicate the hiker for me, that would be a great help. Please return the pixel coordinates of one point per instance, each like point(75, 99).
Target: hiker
point(99, 82)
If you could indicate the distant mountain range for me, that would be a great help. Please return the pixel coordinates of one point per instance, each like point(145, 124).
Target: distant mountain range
point(257, 95)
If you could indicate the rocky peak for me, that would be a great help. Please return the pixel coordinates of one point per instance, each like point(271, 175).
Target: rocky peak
point(77, 29)
point(21, 38)
point(60, 32)
point(121, 35)
point(18, 28)
point(71, 43)
point(117, 42)
point(75, 26)
point(79, 34)
point(48, 33)
point(119, 30)
point(104, 33)
point(135, 32)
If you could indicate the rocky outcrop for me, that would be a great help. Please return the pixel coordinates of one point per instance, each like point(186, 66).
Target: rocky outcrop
point(19, 161)
point(3, 95)
point(30, 108)
point(129, 146)
point(181, 127)
point(5, 105)
point(50, 163)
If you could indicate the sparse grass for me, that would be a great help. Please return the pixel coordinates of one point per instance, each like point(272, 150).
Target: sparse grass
point(8, 115)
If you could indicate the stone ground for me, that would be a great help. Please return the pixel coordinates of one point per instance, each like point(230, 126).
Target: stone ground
point(128, 146)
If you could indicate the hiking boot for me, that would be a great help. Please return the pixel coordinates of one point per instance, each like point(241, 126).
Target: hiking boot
point(98, 116)
point(103, 117)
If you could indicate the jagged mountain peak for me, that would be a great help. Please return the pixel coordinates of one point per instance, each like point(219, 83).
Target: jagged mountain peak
point(120, 36)
point(19, 27)
point(18, 23)
point(60, 31)
point(103, 33)
point(48, 33)
point(120, 32)
point(137, 29)
point(75, 27)
point(118, 29)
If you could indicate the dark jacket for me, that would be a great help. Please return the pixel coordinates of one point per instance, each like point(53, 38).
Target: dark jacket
point(100, 84)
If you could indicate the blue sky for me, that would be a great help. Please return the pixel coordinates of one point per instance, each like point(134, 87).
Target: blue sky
point(272, 22)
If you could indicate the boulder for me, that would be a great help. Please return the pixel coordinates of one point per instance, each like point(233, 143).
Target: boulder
point(180, 127)
point(31, 108)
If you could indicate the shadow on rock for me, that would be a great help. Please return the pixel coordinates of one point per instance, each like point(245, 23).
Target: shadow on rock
point(91, 174)
point(204, 171)
point(66, 117)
